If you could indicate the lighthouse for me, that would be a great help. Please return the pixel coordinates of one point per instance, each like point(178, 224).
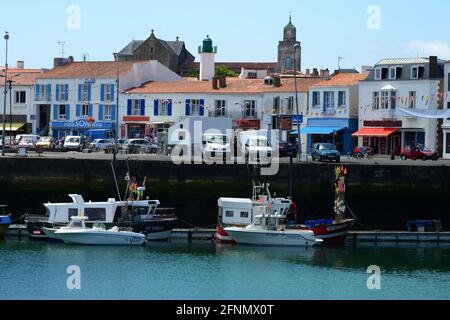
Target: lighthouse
point(207, 59)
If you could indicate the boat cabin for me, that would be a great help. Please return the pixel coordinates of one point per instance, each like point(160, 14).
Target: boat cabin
point(235, 211)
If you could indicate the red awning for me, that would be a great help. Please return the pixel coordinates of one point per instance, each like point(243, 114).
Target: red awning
point(375, 132)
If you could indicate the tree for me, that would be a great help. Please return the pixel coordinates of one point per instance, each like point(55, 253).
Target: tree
point(225, 72)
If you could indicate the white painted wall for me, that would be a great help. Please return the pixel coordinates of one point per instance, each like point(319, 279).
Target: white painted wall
point(17, 109)
point(207, 66)
point(446, 124)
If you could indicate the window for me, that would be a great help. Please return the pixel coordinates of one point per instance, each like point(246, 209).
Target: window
point(20, 97)
point(195, 107)
point(221, 110)
point(244, 215)
point(378, 73)
point(164, 107)
point(229, 214)
point(393, 73)
point(316, 98)
point(415, 73)
point(448, 79)
point(61, 92)
point(62, 112)
point(85, 110)
point(136, 108)
point(447, 147)
point(393, 100)
point(328, 101)
point(84, 91)
point(276, 105)
point(288, 63)
point(107, 112)
point(290, 105)
point(109, 92)
point(95, 214)
point(342, 99)
point(376, 101)
point(43, 92)
point(384, 100)
point(252, 75)
point(250, 108)
point(73, 213)
point(412, 100)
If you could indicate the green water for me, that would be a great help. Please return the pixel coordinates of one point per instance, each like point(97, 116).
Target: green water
point(206, 271)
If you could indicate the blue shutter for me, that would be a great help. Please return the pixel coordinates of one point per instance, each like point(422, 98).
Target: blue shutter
point(142, 107)
point(79, 92)
point(113, 88)
point(49, 92)
point(67, 111)
point(66, 92)
point(38, 90)
point(100, 112)
point(202, 107)
point(188, 107)
point(130, 107)
point(156, 108)
point(113, 112)
point(89, 92)
point(78, 111)
point(102, 92)
point(169, 108)
point(57, 92)
point(55, 112)
point(91, 110)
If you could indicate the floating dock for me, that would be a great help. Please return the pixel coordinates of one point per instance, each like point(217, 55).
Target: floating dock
point(189, 235)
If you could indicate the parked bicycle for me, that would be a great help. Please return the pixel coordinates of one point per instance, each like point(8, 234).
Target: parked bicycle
point(361, 153)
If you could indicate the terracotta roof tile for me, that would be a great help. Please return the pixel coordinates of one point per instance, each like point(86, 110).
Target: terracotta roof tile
point(97, 69)
point(27, 77)
point(342, 80)
point(234, 86)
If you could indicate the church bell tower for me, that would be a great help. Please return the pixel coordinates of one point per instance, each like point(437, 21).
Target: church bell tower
point(289, 50)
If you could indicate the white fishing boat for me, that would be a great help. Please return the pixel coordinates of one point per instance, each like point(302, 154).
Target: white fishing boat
point(76, 232)
point(270, 230)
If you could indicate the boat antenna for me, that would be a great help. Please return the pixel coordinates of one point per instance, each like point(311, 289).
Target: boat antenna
point(115, 180)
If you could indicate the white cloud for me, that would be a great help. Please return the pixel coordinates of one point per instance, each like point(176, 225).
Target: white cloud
point(424, 49)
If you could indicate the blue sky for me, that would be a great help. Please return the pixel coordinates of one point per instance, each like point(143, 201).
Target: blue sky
point(243, 30)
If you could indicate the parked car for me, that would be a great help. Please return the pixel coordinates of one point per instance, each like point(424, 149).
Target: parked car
point(325, 152)
point(27, 143)
point(34, 137)
point(136, 146)
point(74, 143)
point(47, 143)
point(102, 145)
point(288, 150)
point(418, 152)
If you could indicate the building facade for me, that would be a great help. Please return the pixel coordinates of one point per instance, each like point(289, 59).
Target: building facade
point(446, 124)
point(333, 111)
point(20, 115)
point(76, 97)
point(393, 85)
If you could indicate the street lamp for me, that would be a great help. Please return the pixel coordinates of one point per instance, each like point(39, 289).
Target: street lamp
point(116, 148)
point(299, 141)
point(6, 37)
point(10, 81)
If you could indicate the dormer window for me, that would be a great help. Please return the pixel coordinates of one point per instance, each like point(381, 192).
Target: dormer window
point(392, 73)
point(415, 73)
point(378, 73)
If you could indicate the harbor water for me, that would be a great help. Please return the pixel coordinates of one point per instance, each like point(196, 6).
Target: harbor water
point(179, 271)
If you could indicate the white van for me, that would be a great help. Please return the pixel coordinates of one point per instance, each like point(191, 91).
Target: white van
point(255, 147)
point(33, 137)
point(74, 143)
point(216, 145)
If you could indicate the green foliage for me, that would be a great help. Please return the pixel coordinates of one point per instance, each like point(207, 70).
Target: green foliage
point(224, 71)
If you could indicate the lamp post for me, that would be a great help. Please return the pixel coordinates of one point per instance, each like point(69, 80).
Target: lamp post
point(6, 37)
point(299, 141)
point(116, 140)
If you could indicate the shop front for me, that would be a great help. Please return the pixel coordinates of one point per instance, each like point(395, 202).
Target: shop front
point(61, 129)
point(383, 141)
point(136, 127)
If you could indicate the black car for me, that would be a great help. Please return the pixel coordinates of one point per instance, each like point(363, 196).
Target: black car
point(325, 152)
point(288, 150)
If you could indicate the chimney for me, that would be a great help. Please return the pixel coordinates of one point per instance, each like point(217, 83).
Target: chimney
point(308, 72)
point(326, 73)
point(366, 69)
point(277, 81)
point(315, 72)
point(57, 62)
point(434, 67)
point(215, 83)
point(20, 64)
point(222, 82)
point(207, 60)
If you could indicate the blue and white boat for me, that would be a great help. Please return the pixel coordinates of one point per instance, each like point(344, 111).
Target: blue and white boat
point(5, 222)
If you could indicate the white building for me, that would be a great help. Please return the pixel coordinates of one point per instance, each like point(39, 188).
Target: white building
point(333, 110)
point(251, 103)
point(19, 100)
point(66, 96)
point(393, 85)
point(446, 124)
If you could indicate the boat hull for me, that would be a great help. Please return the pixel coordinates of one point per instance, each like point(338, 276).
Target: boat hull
point(334, 234)
point(273, 238)
point(103, 238)
point(155, 230)
point(222, 236)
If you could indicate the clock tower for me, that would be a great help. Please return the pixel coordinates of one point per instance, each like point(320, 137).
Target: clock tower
point(288, 52)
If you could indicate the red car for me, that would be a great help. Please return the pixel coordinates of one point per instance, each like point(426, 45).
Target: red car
point(418, 152)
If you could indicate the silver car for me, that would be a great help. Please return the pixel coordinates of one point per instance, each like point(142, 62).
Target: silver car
point(139, 146)
point(102, 145)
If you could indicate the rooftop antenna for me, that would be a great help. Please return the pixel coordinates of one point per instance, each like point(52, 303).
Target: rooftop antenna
point(62, 44)
point(85, 57)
